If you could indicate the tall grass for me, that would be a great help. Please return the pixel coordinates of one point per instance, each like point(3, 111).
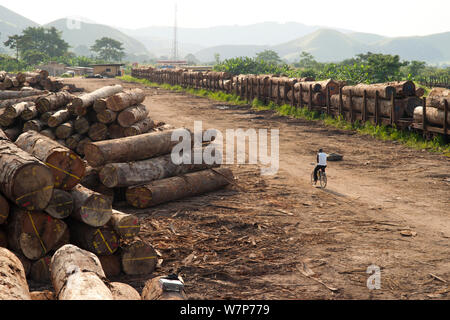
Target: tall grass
point(381, 132)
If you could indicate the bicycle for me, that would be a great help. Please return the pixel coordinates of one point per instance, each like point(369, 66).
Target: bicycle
point(322, 178)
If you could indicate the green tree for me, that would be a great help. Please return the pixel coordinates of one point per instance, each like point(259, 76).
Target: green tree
point(34, 57)
point(109, 49)
point(269, 56)
point(13, 43)
point(415, 68)
point(191, 59)
point(307, 61)
point(217, 58)
point(382, 67)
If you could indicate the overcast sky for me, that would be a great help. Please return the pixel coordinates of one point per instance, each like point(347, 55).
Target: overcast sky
point(385, 17)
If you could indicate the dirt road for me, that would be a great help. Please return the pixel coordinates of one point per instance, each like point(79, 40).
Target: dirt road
point(277, 237)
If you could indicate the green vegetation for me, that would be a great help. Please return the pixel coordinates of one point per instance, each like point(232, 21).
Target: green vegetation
point(108, 49)
point(410, 139)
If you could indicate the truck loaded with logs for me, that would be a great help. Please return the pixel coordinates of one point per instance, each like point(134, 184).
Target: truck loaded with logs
point(392, 103)
point(66, 160)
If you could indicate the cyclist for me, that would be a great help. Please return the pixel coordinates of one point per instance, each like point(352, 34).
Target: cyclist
point(321, 164)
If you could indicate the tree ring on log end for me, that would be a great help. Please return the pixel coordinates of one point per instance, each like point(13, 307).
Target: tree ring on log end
point(67, 169)
point(139, 197)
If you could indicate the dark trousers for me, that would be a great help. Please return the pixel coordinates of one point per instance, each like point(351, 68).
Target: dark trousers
point(316, 170)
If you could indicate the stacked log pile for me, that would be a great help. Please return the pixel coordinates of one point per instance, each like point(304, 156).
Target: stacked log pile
point(26, 81)
point(51, 197)
point(437, 108)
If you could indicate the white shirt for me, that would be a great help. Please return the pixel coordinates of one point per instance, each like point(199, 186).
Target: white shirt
point(323, 159)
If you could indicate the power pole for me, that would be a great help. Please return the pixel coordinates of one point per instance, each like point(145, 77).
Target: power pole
point(175, 37)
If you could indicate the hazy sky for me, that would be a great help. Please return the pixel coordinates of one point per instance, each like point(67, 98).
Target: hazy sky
point(386, 17)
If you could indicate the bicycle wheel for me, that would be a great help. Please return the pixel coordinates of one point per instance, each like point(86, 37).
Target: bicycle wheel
point(323, 180)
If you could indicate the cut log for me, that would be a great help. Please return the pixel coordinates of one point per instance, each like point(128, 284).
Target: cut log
point(53, 101)
point(132, 115)
point(10, 102)
point(99, 105)
point(34, 125)
point(24, 180)
point(48, 133)
point(40, 270)
point(122, 101)
point(115, 131)
point(45, 116)
point(139, 128)
point(58, 118)
point(84, 102)
point(8, 95)
point(61, 204)
point(435, 116)
point(16, 110)
point(43, 295)
point(92, 208)
point(4, 209)
point(101, 241)
point(81, 145)
point(73, 141)
point(125, 225)
point(29, 113)
point(123, 291)
point(176, 188)
point(78, 275)
point(111, 265)
point(164, 288)
point(6, 121)
point(107, 116)
point(98, 132)
point(13, 133)
point(403, 88)
point(64, 131)
point(66, 166)
point(13, 284)
point(134, 148)
point(385, 91)
point(138, 257)
point(420, 92)
point(82, 125)
point(34, 234)
point(136, 173)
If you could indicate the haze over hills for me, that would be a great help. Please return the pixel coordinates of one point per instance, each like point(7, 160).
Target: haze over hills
point(288, 39)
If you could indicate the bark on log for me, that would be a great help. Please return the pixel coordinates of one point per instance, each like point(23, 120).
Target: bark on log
point(123, 291)
point(437, 96)
point(136, 173)
point(78, 275)
point(154, 290)
point(34, 125)
point(99, 105)
point(84, 102)
point(132, 115)
point(101, 241)
point(29, 113)
point(45, 116)
point(10, 102)
point(82, 125)
point(91, 207)
point(403, 88)
point(139, 128)
point(4, 209)
point(122, 101)
point(111, 265)
point(7, 95)
point(385, 91)
point(125, 225)
point(53, 101)
point(66, 166)
point(34, 234)
point(58, 118)
point(90, 179)
point(138, 257)
point(64, 131)
point(40, 270)
point(14, 284)
point(115, 131)
point(42, 295)
point(106, 116)
point(176, 188)
point(16, 110)
point(131, 148)
point(5, 121)
point(435, 116)
point(61, 204)
point(23, 179)
point(26, 263)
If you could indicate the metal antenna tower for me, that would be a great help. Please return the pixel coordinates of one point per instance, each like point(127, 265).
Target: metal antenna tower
point(175, 37)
